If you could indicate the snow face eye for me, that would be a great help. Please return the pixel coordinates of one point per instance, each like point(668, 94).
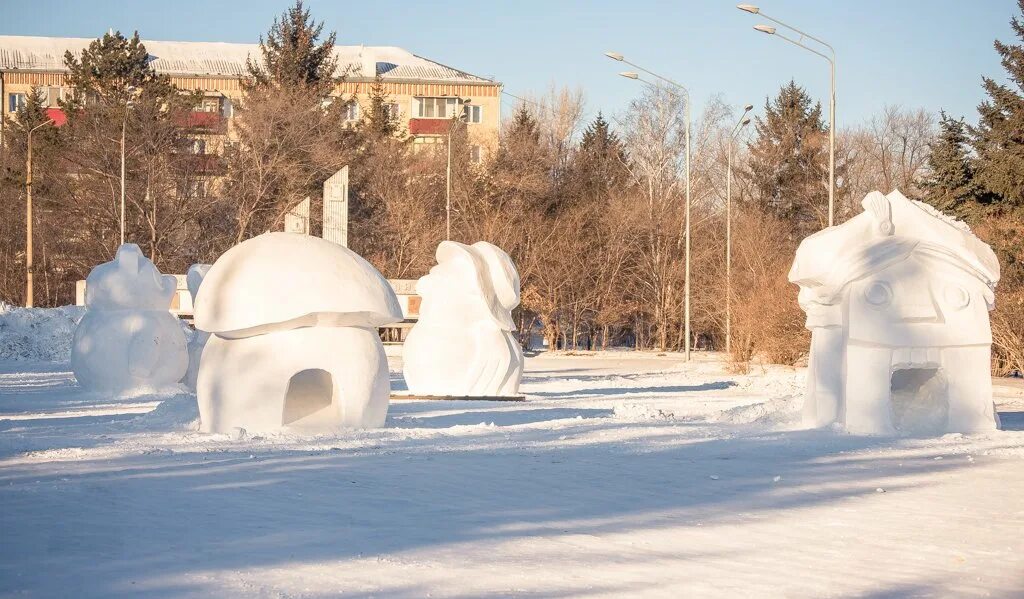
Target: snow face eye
point(956, 296)
point(878, 294)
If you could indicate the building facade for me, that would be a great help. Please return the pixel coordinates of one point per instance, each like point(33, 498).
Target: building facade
point(424, 94)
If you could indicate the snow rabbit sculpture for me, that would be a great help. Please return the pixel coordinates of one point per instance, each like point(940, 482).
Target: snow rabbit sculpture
point(462, 344)
point(127, 338)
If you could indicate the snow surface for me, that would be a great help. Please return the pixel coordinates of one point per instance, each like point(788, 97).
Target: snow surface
point(623, 474)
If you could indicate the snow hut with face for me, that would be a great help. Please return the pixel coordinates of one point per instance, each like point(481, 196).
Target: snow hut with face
point(293, 322)
point(897, 301)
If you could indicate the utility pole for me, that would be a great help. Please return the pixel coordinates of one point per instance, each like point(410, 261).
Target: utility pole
point(448, 173)
point(28, 215)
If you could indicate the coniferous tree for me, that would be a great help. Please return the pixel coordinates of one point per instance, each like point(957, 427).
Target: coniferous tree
point(293, 56)
point(951, 185)
point(521, 169)
point(292, 132)
point(379, 120)
point(999, 136)
point(789, 160)
point(600, 161)
point(115, 89)
point(110, 72)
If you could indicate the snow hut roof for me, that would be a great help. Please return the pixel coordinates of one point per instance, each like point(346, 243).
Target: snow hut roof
point(281, 281)
point(890, 227)
point(220, 59)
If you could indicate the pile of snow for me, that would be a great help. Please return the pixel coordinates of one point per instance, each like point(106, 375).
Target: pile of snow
point(37, 334)
point(774, 412)
point(179, 412)
point(641, 411)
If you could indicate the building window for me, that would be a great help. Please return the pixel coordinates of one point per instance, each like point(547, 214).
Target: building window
point(476, 154)
point(351, 112)
point(194, 188)
point(199, 147)
point(473, 114)
point(435, 108)
point(16, 102)
point(211, 104)
point(393, 111)
point(52, 96)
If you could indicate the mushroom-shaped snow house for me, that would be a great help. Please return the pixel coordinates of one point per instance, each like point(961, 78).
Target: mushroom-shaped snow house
point(293, 322)
point(897, 301)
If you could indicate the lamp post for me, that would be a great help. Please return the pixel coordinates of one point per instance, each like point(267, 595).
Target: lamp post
point(28, 214)
point(448, 174)
point(743, 122)
point(686, 93)
point(832, 97)
point(124, 126)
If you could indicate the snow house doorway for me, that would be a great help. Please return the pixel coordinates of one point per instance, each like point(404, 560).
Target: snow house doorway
point(308, 397)
point(919, 400)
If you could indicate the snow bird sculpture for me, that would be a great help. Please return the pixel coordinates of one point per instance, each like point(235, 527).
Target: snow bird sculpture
point(128, 340)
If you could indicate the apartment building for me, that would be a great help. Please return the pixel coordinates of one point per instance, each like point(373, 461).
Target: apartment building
point(424, 94)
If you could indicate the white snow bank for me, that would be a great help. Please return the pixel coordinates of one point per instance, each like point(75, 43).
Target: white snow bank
point(37, 334)
point(641, 411)
point(774, 412)
point(176, 413)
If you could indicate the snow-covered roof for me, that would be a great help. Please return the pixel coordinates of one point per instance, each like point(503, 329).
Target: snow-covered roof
point(890, 227)
point(219, 59)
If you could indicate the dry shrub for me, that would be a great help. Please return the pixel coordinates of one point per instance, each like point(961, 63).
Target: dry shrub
point(1008, 333)
point(767, 322)
point(1005, 233)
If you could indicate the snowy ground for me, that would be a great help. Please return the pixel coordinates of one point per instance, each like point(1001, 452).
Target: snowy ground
point(623, 475)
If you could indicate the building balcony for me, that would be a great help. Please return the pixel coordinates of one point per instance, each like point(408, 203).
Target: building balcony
point(429, 126)
point(210, 122)
point(203, 164)
point(57, 116)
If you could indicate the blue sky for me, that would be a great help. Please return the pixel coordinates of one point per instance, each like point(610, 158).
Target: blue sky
point(927, 54)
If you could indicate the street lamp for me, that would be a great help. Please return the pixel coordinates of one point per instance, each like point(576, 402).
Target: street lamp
point(832, 98)
point(686, 93)
point(28, 214)
point(124, 125)
point(456, 120)
point(743, 122)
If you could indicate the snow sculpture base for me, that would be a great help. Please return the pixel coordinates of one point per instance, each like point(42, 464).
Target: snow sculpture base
point(462, 345)
point(293, 338)
point(402, 396)
point(314, 393)
point(127, 340)
point(897, 301)
point(194, 278)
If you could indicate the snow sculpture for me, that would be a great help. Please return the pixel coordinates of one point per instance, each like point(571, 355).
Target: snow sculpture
point(194, 278)
point(127, 339)
point(897, 301)
point(293, 322)
point(462, 344)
